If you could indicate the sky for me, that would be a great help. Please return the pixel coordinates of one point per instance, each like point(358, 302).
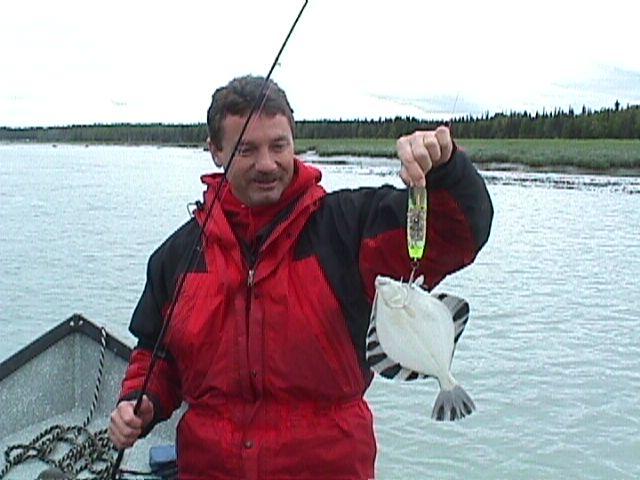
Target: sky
point(70, 62)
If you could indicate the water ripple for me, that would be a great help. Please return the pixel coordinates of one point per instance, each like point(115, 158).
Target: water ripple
point(550, 354)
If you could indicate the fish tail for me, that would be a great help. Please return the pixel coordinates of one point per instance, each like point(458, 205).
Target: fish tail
point(452, 404)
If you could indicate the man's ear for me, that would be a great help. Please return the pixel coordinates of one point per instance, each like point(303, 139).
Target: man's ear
point(214, 153)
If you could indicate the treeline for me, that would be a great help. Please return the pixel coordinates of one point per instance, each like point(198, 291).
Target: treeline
point(613, 122)
point(142, 134)
point(606, 123)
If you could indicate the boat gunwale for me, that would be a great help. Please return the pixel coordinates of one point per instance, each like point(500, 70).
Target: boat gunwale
point(76, 323)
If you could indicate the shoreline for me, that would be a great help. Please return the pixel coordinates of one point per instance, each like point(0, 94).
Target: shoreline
point(491, 166)
point(507, 165)
point(560, 169)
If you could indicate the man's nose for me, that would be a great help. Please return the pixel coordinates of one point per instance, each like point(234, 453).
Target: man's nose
point(264, 161)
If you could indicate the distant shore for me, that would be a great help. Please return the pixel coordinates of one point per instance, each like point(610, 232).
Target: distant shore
point(598, 156)
point(603, 156)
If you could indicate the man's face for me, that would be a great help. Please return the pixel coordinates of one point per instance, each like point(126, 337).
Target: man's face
point(263, 166)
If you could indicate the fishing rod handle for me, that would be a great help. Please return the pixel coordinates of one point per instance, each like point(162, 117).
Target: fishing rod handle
point(136, 409)
point(116, 465)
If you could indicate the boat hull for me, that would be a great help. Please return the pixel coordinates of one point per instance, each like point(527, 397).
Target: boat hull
point(53, 381)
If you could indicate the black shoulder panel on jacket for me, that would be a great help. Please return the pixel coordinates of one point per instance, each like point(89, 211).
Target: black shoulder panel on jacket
point(346, 217)
point(334, 235)
point(464, 183)
point(166, 264)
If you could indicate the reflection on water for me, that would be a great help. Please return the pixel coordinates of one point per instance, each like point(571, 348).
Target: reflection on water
point(550, 355)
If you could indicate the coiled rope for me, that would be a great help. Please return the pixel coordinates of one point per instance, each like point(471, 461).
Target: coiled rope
point(87, 452)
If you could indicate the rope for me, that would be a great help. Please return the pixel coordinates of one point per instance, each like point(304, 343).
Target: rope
point(96, 390)
point(87, 451)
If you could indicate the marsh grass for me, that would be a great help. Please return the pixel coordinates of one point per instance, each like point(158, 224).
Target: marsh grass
point(601, 154)
point(360, 147)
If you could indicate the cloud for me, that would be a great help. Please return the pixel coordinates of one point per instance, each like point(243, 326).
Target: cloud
point(437, 107)
point(150, 61)
point(608, 83)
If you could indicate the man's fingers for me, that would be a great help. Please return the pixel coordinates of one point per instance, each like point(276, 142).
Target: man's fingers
point(430, 143)
point(121, 434)
point(124, 426)
point(120, 440)
point(443, 136)
point(146, 410)
point(405, 176)
point(421, 151)
point(411, 171)
point(126, 415)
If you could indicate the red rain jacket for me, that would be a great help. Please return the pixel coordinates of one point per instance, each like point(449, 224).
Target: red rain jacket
point(266, 345)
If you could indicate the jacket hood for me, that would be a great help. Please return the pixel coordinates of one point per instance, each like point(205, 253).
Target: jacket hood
point(246, 221)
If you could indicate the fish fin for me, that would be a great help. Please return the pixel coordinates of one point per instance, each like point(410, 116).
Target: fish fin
point(412, 376)
point(408, 375)
point(376, 358)
point(452, 404)
point(384, 366)
point(388, 368)
point(459, 309)
point(372, 345)
point(392, 371)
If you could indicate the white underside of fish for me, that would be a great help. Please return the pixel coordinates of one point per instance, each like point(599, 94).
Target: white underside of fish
point(412, 334)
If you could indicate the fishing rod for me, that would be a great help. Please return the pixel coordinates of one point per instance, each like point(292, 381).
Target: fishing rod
point(256, 107)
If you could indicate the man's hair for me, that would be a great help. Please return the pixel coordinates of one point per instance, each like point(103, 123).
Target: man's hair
point(238, 97)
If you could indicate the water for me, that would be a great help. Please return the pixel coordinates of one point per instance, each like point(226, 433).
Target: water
point(550, 356)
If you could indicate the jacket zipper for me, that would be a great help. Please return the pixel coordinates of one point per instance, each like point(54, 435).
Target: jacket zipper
point(250, 277)
point(249, 297)
point(248, 301)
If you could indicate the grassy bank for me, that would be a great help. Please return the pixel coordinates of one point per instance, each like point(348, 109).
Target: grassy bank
point(596, 155)
point(600, 155)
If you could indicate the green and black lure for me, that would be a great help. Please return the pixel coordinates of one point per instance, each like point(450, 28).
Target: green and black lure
point(417, 224)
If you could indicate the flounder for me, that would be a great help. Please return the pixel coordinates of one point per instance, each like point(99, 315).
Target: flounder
point(413, 334)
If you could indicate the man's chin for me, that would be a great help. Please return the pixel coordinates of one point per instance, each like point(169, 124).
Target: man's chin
point(262, 199)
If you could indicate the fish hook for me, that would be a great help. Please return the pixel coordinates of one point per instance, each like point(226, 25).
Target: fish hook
point(415, 263)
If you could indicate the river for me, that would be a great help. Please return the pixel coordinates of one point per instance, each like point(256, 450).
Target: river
point(550, 356)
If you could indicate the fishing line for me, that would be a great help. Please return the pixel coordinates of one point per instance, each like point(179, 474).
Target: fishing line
point(195, 249)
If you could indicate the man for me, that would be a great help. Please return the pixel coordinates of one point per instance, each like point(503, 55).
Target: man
point(266, 343)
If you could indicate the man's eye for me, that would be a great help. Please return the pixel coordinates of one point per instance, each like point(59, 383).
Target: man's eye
point(279, 147)
point(244, 151)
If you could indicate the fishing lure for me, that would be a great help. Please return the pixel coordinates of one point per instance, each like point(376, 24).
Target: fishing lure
point(416, 224)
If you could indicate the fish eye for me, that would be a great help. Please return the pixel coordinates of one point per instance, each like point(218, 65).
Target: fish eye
point(397, 300)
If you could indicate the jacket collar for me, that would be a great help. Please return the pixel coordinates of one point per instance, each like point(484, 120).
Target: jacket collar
point(248, 222)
